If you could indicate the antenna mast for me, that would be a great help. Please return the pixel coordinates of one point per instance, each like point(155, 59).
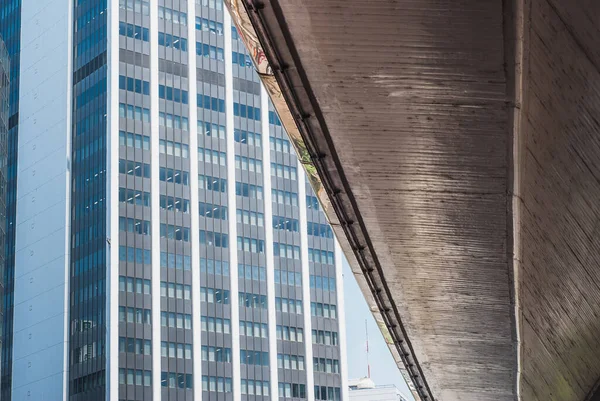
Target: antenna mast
point(368, 364)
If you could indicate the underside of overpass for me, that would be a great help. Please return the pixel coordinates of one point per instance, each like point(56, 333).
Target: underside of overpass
point(455, 145)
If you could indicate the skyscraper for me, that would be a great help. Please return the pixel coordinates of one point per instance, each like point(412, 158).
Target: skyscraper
point(167, 245)
point(4, 112)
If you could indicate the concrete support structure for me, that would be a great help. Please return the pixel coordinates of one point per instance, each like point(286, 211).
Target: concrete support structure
point(454, 145)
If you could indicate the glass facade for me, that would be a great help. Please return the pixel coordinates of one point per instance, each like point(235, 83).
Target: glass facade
point(4, 112)
point(87, 314)
point(226, 267)
point(10, 30)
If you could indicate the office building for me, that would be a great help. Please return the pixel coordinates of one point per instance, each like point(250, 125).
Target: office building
point(364, 389)
point(4, 110)
point(165, 243)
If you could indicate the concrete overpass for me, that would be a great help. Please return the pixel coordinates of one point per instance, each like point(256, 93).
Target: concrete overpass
point(455, 145)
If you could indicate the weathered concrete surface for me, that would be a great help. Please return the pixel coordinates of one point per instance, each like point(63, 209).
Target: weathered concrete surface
point(560, 171)
point(445, 153)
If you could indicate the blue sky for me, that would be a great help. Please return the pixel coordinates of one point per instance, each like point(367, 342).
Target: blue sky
point(383, 367)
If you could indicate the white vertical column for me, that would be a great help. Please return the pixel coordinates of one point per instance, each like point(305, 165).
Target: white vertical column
point(266, 157)
point(195, 220)
point(341, 316)
point(231, 207)
point(112, 206)
point(310, 378)
point(155, 201)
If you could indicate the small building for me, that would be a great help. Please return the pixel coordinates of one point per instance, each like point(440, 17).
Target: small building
point(364, 389)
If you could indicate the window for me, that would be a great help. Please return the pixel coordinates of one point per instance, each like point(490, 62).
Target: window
point(212, 183)
point(136, 346)
point(214, 295)
point(215, 4)
point(176, 291)
point(287, 305)
point(280, 145)
point(283, 171)
point(255, 387)
point(173, 121)
point(284, 197)
point(210, 103)
point(321, 256)
point(327, 393)
point(286, 251)
point(135, 377)
point(216, 325)
point(216, 384)
point(212, 156)
point(324, 337)
point(218, 267)
point(312, 202)
point(177, 233)
point(134, 285)
point(203, 24)
point(174, 203)
point(134, 112)
point(135, 315)
point(134, 31)
point(241, 59)
point(171, 148)
point(134, 255)
point(250, 300)
point(254, 329)
point(134, 197)
point(212, 211)
point(175, 261)
point(249, 272)
point(172, 41)
point(322, 282)
point(211, 129)
point(176, 320)
point(248, 164)
point(134, 140)
point(323, 310)
point(176, 380)
point(210, 238)
point(248, 190)
point(134, 85)
point(234, 33)
point(135, 226)
point(294, 390)
point(274, 118)
point(175, 176)
point(319, 230)
point(247, 137)
point(250, 218)
point(285, 223)
point(251, 245)
point(174, 94)
point(257, 358)
point(245, 111)
point(177, 17)
point(287, 333)
point(137, 169)
point(138, 6)
point(216, 354)
point(213, 52)
point(325, 365)
point(295, 362)
point(288, 278)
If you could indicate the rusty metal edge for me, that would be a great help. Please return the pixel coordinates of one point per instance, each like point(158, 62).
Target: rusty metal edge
point(328, 183)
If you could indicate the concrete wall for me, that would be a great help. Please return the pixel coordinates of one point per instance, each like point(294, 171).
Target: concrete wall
point(560, 181)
